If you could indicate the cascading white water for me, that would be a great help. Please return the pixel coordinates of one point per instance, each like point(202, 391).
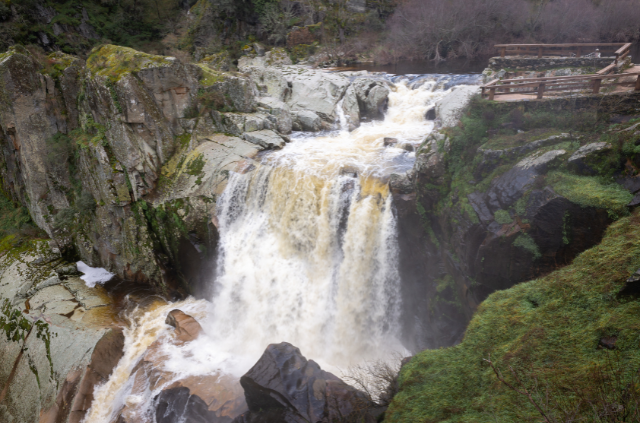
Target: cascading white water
point(287, 263)
point(308, 255)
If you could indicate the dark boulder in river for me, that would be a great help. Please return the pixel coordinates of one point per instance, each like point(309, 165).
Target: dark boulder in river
point(284, 386)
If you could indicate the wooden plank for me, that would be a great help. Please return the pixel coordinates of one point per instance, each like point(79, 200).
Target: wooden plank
point(546, 79)
point(548, 83)
point(561, 49)
point(563, 45)
point(569, 78)
point(558, 88)
point(613, 84)
point(624, 48)
point(494, 82)
point(572, 88)
point(606, 70)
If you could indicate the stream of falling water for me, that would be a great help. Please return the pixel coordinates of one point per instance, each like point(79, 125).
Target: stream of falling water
point(307, 255)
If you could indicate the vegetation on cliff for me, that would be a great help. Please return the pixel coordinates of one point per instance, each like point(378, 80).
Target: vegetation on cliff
point(503, 199)
point(15, 225)
point(328, 30)
point(555, 332)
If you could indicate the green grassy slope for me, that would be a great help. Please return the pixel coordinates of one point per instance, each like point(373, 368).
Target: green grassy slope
point(549, 331)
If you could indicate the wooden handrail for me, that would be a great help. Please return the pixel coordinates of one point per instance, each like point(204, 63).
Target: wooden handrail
point(558, 49)
point(560, 83)
point(564, 45)
point(564, 78)
point(560, 79)
point(624, 48)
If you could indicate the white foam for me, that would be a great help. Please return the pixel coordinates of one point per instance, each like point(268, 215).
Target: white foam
point(94, 275)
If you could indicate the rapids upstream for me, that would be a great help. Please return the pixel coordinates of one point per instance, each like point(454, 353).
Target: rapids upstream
point(307, 254)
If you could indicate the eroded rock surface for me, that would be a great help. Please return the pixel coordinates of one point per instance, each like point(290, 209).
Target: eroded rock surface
point(51, 378)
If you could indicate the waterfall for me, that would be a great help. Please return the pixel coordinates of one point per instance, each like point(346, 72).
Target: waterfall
point(307, 254)
point(312, 259)
point(341, 119)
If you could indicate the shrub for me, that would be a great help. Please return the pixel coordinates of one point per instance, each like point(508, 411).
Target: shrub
point(502, 217)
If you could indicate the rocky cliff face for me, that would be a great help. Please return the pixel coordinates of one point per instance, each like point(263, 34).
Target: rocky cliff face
point(121, 158)
point(501, 206)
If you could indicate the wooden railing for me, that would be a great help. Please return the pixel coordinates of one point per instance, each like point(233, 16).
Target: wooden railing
point(617, 50)
point(541, 86)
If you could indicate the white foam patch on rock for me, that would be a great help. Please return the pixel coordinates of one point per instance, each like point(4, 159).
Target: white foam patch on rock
point(93, 275)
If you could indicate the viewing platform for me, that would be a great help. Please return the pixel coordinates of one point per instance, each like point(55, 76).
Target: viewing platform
point(535, 71)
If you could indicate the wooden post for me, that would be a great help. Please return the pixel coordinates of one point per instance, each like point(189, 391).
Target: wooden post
point(596, 85)
point(539, 52)
point(540, 90)
point(638, 83)
point(579, 54)
point(503, 51)
point(492, 93)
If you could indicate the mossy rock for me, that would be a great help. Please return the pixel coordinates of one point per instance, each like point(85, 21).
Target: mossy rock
point(57, 62)
point(219, 61)
point(210, 76)
point(115, 61)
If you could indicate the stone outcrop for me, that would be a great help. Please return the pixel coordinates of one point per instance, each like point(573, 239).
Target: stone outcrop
point(51, 375)
point(587, 158)
point(280, 110)
point(492, 159)
point(632, 184)
point(448, 109)
point(284, 386)
point(186, 327)
point(372, 97)
point(265, 139)
point(301, 88)
point(307, 120)
point(131, 148)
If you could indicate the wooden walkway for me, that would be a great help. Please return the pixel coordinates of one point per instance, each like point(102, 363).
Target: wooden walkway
point(602, 81)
